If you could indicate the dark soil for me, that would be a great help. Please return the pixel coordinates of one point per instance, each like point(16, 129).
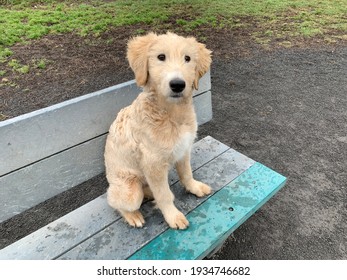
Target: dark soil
point(285, 108)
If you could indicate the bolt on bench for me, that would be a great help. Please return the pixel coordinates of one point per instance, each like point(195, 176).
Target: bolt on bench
point(48, 151)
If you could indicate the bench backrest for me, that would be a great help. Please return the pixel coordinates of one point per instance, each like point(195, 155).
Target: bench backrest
point(48, 151)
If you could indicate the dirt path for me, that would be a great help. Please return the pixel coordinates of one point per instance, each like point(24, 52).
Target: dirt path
point(288, 110)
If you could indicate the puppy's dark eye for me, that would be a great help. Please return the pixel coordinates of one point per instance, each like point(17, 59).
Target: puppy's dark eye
point(161, 57)
point(187, 58)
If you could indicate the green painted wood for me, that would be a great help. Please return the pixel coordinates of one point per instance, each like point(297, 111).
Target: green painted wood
point(217, 217)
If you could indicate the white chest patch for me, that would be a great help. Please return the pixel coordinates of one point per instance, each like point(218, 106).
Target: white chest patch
point(182, 146)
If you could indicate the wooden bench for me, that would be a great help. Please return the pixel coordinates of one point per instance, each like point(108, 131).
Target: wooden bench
point(48, 151)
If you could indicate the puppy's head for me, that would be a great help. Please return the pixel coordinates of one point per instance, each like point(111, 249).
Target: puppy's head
point(168, 64)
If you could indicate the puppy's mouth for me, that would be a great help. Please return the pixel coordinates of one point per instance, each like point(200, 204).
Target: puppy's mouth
point(176, 95)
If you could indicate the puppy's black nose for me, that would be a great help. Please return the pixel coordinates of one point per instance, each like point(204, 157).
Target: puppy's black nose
point(177, 85)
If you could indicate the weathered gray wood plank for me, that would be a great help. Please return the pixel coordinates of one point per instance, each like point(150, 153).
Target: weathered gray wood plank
point(203, 107)
point(29, 186)
point(33, 136)
point(39, 134)
point(68, 231)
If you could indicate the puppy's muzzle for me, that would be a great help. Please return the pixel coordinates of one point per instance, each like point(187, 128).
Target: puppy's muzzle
point(177, 86)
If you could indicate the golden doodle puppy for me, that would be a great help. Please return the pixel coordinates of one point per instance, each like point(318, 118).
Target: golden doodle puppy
point(157, 130)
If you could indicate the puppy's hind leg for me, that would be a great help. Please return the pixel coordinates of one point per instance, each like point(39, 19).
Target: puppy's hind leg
point(126, 195)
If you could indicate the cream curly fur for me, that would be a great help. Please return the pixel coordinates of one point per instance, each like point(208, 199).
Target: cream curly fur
point(157, 130)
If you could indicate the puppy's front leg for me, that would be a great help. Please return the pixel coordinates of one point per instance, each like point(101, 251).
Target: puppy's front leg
point(184, 171)
point(157, 179)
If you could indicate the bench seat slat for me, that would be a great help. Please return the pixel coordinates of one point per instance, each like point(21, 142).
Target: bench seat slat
point(216, 218)
point(64, 233)
point(119, 241)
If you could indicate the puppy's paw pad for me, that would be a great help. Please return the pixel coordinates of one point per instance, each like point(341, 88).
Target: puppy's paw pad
point(200, 189)
point(178, 221)
point(135, 219)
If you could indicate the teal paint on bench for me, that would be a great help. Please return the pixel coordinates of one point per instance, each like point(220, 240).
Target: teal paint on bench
point(217, 217)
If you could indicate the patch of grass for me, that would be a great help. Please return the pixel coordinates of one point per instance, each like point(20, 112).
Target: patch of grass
point(140, 31)
point(307, 30)
point(24, 69)
point(5, 53)
point(7, 82)
point(40, 63)
point(3, 116)
point(21, 20)
point(16, 66)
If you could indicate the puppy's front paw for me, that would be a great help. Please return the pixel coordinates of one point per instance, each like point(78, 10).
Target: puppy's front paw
point(177, 220)
point(199, 189)
point(135, 219)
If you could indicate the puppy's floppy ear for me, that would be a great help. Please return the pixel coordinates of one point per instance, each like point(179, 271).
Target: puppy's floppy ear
point(203, 63)
point(138, 56)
